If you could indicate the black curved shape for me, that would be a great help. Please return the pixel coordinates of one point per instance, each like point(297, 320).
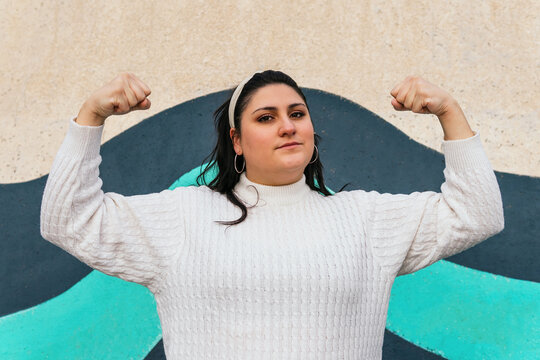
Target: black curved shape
point(394, 347)
point(397, 348)
point(157, 353)
point(357, 147)
point(32, 269)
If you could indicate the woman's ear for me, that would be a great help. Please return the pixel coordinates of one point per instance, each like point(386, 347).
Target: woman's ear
point(235, 138)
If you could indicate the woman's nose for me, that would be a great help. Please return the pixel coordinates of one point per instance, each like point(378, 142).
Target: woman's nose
point(287, 126)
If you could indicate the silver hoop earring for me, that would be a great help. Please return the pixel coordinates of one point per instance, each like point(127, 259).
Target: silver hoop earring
point(243, 166)
point(316, 155)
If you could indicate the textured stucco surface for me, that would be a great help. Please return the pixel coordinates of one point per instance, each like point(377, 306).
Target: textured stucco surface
point(485, 54)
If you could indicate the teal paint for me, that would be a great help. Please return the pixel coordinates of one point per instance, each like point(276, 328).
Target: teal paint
point(190, 178)
point(448, 309)
point(101, 317)
point(463, 313)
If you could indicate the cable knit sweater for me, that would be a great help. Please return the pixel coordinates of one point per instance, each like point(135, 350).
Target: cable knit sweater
point(303, 277)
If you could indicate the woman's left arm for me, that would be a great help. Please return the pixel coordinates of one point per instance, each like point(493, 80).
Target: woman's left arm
point(410, 232)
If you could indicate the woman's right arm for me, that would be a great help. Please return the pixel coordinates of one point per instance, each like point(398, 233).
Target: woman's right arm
point(131, 237)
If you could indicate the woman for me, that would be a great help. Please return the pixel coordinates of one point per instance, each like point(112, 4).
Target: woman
point(264, 262)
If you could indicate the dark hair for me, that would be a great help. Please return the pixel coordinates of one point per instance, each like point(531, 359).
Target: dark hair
point(223, 153)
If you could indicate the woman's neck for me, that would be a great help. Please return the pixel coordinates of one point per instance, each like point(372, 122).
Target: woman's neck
point(253, 193)
point(269, 179)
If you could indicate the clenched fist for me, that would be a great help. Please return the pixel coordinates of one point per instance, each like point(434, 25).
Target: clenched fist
point(123, 94)
point(420, 96)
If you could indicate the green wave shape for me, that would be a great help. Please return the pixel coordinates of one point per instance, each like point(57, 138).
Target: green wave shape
point(463, 313)
point(100, 317)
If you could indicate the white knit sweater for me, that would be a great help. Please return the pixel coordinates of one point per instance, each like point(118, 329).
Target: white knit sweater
point(303, 277)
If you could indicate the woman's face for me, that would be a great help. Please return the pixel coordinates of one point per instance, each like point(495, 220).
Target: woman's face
point(277, 138)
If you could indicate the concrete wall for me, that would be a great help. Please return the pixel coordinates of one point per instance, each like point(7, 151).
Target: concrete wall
point(54, 54)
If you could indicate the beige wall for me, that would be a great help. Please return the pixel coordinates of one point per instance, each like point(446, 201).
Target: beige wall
point(53, 55)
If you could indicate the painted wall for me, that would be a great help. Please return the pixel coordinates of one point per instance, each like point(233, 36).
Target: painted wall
point(55, 54)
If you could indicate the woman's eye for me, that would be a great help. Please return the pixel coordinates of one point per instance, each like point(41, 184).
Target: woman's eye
point(264, 118)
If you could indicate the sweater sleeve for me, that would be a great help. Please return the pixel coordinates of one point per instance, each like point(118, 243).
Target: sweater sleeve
point(409, 232)
point(130, 237)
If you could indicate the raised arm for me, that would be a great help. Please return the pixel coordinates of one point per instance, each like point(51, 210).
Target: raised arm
point(133, 238)
point(410, 232)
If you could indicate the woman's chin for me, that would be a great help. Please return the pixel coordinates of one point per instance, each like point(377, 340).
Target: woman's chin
point(294, 165)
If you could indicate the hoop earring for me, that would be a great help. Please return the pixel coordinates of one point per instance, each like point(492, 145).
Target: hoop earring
point(316, 155)
point(235, 168)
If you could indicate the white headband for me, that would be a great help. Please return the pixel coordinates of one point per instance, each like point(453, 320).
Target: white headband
point(235, 96)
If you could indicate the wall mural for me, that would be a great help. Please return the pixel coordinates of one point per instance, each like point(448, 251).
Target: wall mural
point(481, 303)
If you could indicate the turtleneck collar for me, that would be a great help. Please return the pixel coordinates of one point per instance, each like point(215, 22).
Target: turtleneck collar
point(270, 195)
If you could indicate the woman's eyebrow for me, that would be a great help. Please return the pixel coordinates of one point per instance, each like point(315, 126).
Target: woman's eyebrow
point(273, 108)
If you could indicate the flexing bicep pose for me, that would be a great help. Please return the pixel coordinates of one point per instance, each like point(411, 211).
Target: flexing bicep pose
point(129, 237)
point(410, 232)
point(262, 259)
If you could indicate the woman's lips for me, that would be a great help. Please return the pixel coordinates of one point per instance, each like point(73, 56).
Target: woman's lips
point(289, 145)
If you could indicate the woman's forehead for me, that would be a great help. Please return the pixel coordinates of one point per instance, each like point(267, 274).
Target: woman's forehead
point(274, 95)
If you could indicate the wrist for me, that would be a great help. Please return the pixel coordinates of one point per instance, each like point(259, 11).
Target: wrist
point(86, 117)
point(451, 111)
point(454, 123)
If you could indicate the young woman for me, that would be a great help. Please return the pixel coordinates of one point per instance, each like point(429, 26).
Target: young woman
point(263, 261)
